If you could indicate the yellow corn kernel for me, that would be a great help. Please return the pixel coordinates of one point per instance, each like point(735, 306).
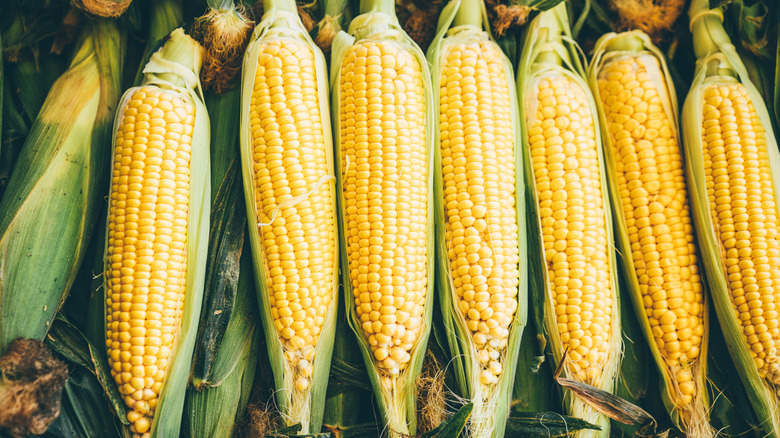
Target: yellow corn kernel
point(744, 210)
point(294, 205)
point(478, 168)
point(653, 193)
point(564, 157)
point(147, 244)
point(383, 145)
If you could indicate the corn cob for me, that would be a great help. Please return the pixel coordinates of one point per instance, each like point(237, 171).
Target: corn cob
point(565, 168)
point(638, 109)
point(53, 198)
point(733, 166)
point(290, 193)
point(157, 237)
point(480, 202)
point(382, 107)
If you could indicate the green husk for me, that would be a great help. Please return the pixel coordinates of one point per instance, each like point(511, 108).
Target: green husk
point(337, 13)
point(26, 84)
point(718, 62)
point(281, 21)
point(175, 68)
point(54, 195)
point(731, 411)
point(226, 353)
point(226, 244)
point(67, 341)
point(164, 16)
point(761, 74)
point(533, 390)
point(215, 410)
point(396, 403)
point(691, 418)
point(491, 404)
point(343, 398)
point(84, 410)
point(544, 425)
point(549, 49)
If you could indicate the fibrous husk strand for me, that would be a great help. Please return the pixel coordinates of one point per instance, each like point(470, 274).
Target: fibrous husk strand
point(328, 28)
point(260, 420)
point(103, 8)
point(307, 18)
point(431, 395)
point(507, 17)
point(654, 17)
point(419, 20)
point(31, 382)
point(224, 34)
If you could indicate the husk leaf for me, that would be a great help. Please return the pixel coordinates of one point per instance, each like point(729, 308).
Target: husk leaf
point(53, 197)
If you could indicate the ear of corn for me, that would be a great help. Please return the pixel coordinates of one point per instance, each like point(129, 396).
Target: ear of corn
point(157, 237)
point(53, 197)
point(480, 208)
point(734, 178)
point(638, 114)
point(382, 111)
point(287, 157)
point(573, 250)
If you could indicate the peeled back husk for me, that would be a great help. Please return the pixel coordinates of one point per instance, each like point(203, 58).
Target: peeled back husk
point(174, 69)
point(396, 401)
point(690, 417)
